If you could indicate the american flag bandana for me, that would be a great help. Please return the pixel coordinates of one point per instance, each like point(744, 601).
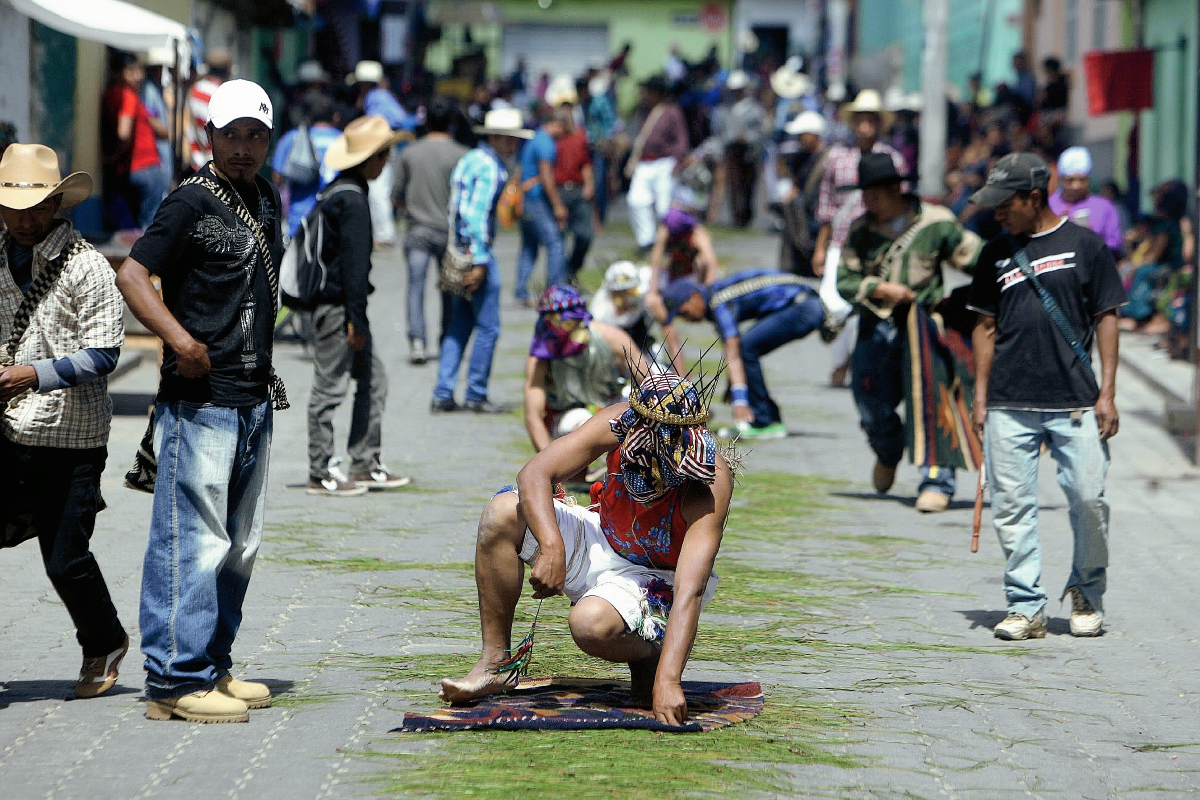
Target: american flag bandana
point(657, 456)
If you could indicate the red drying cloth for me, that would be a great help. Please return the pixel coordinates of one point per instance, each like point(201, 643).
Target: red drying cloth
point(1121, 80)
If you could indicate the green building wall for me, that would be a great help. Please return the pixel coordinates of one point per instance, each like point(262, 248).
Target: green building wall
point(1167, 146)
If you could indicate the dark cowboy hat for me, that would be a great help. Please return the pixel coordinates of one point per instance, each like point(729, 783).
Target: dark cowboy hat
point(878, 169)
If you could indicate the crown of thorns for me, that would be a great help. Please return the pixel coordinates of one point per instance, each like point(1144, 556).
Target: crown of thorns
point(672, 399)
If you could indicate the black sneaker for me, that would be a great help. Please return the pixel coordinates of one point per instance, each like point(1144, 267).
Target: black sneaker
point(486, 407)
point(380, 478)
point(332, 486)
point(443, 406)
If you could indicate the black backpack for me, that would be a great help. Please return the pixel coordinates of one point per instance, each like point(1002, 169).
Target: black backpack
point(303, 272)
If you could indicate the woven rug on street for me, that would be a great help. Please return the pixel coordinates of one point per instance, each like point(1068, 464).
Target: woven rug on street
point(588, 704)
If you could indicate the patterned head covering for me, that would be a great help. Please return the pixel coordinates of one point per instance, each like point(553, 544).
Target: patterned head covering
point(557, 333)
point(663, 438)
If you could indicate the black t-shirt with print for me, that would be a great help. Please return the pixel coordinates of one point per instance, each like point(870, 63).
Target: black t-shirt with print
point(214, 283)
point(1034, 366)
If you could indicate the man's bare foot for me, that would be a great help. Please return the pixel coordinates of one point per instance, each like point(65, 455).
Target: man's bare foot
point(641, 681)
point(479, 682)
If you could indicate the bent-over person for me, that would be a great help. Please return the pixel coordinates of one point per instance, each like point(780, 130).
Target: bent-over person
point(60, 336)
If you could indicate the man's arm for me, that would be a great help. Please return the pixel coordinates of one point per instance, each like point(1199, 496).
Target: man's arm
point(821, 248)
point(710, 507)
point(474, 209)
point(589, 181)
point(133, 280)
point(354, 227)
point(654, 299)
point(1107, 340)
point(737, 380)
point(535, 487)
point(983, 344)
point(546, 172)
point(535, 402)
point(707, 255)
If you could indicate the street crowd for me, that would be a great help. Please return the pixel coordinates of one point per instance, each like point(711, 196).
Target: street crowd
point(988, 374)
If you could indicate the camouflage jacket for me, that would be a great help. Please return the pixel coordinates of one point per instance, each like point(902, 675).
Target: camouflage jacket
point(930, 238)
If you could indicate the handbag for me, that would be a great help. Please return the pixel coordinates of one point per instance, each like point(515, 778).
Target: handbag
point(455, 267)
point(1057, 316)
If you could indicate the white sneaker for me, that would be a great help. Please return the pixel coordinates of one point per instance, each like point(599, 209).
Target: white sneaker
point(1084, 619)
point(1017, 627)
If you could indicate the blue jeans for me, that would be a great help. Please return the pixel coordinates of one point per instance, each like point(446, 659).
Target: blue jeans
point(149, 188)
point(539, 228)
point(771, 332)
point(1012, 442)
point(600, 173)
point(877, 381)
point(422, 246)
point(479, 313)
point(205, 530)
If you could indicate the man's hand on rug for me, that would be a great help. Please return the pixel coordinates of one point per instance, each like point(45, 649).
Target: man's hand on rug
point(549, 573)
point(670, 706)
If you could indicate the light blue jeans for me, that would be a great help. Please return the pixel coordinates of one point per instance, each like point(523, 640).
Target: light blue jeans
point(1012, 443)
point(204, 534)
point(539, 228)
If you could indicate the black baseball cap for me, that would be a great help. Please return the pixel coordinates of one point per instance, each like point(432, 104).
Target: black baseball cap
point(1016, 172)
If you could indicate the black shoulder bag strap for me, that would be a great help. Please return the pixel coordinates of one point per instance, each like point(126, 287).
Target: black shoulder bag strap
point(1057, 316)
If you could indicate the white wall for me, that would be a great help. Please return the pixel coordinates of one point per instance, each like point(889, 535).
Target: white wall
point(14, 66)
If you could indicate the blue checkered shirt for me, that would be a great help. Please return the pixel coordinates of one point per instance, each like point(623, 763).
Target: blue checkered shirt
point(475, 187)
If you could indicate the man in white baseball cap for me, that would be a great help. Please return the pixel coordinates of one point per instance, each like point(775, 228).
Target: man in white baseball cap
point(215, 244)
point(801, 159)
point(1074, 198)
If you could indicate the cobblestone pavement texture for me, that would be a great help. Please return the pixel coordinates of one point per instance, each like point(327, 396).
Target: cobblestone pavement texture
point(344, 586)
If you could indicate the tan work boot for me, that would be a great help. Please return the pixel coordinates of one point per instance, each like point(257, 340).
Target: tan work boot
point(206, 706)
point(883, 477)
point(99, 674)
point(252, 693)
point(932, 502)
point(1017, 627)
point(1084, 619)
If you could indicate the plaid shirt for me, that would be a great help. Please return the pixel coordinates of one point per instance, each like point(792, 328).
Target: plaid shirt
point(82, 311)
point(837, 206)
point(475, 187)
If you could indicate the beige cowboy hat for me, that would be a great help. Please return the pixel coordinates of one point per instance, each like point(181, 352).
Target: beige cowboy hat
point(503, 122)
point(363, 138)
point(561, 90)
point(29, 174)
point(868, 101)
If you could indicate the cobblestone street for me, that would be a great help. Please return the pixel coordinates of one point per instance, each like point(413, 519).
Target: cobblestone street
point(868, 625)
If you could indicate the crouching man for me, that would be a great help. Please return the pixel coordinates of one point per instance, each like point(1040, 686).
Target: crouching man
point(638, 570)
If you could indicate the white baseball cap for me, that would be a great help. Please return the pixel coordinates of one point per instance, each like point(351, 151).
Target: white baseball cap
point(1075, 161)
point(806, 122)
point(239, 100)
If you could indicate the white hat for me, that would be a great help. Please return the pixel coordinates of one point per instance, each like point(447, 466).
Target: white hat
point(503, 122)
point(311, 71)
point(789, 82)
point(806, 122)
point(600, 82)
point(237, 100)
point(738, 79)
point(868, 101)
point(1075, 161)
point(622, 276)
point(366, 72)
point(561, 90)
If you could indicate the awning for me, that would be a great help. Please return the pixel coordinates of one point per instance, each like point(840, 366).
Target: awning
point(112, 22)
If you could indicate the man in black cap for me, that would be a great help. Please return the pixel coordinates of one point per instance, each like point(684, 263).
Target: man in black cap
point(1044, 293)
point(893, 259)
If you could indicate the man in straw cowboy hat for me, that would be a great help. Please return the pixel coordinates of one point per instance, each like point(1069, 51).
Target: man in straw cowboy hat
point(343, 347)
point(637, 569)
point(837, 209)
point(60, 322)
point(215, 244)
point(475, 188)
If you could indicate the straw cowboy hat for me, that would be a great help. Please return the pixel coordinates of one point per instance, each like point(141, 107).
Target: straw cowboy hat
point(363, 138)
point(867, 102)
point(561, 90)
point(29, 174)
point(503, 122)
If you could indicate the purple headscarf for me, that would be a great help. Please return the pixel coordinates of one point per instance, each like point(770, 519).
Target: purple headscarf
point(678, 222)
point(550, 341)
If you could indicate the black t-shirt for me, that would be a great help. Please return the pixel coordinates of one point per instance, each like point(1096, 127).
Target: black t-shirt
point(1034, 366)
point(216, 286)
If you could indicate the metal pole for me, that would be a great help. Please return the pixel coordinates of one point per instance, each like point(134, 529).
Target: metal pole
point(933, 92)
point(1195, 177)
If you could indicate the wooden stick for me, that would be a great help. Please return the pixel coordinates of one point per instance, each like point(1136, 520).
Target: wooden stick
point(978, 509)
